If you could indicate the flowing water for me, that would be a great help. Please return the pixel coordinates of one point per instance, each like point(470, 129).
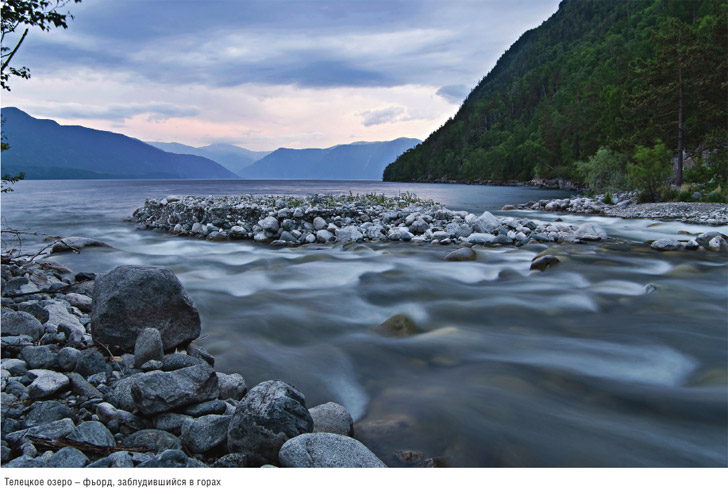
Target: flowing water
point(618, 356)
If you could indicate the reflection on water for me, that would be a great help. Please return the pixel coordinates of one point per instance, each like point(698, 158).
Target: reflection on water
point(618, 356)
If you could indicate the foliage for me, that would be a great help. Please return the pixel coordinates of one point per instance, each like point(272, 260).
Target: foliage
point(606, 171)
point(650, 170)
point(8, 180)
point(596, 74)
point(18, 14)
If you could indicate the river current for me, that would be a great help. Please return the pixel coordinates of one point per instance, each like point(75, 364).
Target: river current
point(618, 356)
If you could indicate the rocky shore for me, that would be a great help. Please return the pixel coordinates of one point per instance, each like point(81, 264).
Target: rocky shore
point(105, 371)
point(287, 221)
point(625, 206)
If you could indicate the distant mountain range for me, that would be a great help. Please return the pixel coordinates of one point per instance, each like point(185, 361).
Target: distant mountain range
point(359, 160)
point(43, 149)
point(234, 158)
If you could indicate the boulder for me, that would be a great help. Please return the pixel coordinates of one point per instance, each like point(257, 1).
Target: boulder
point(462, 254)
point(67, 457)
point(93, 432)
point(270, 414)
point(665, 244)
point(486, 223)
point(703, 240)
point(349, 234)
point(269, 224)
point(148, 346)
point(399, 325)
point(47, 384)
point(717, 244)
point(232, 386)
point(153, 440)
point(180, 361)
point(332, 417)
point(75, 243)
point(20, 323)
point(205, 433)
point(130, 298)
point(157, 392)
point(543, 262)
point(325, 450)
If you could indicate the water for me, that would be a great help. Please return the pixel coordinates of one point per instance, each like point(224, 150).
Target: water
point(581, 365)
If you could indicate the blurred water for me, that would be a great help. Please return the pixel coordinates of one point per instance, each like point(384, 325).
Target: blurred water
point(580, 365)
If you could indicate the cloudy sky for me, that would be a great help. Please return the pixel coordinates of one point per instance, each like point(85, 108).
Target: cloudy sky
point(265, 74)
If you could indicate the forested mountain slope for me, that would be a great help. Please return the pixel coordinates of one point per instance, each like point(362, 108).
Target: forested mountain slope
point(597, 73)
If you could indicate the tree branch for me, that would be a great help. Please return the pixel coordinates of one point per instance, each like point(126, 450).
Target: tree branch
point(10, 56)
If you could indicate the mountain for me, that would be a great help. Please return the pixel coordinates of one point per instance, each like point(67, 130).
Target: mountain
point(616, 74)
point(234, 158)
point(43, 149)
point(359, 160)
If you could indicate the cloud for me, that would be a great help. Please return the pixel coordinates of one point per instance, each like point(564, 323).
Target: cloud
point(155, 112)
point(383, 115)
point(454, 93)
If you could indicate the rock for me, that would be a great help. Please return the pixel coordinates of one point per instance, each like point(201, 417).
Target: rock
point(90, 362)
point(216, 407)
point(67, 457)
point(481, 239)
point(120, 459)
point(67, 358)
point(419, 227)
point(270, 414)
point(325, 450)
point(486, 223)
point(319, 223)
point(82, 387)
point(718, 244)
point(59, 317)
point(148, 346)
point(53, 430)
point(47, 384)
point(398, 325)
point(14, 366)
point(665, 244)
point(20, 323)
point(332, 417)
point(200, 353)
point(153, 440)
point(349, 234)
point(324, 236)
point(202, 434)
point(170, 422)
point(82, 302)
point(75, 243)
point(45, 412)
point(151, 365)
point(172, 458)
point(462, 254)
point(232, 386)
point(180, 361)
point(270, 224)
point(94, 433)
point(130, 298)
point(157, 392)
point(232, 460)
point(34, 309)
point(542, 262)
point(703, 240)
point(106, 412)
point(25, 461)
point(589, 232)
point(39, 357)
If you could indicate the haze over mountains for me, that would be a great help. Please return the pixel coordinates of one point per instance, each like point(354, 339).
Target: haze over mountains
point(44, 149)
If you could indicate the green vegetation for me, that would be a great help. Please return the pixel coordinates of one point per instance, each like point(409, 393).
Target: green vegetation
point(578, 97)
point(650, 170)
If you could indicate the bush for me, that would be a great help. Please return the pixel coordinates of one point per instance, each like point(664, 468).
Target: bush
point(650, 170)
point(606, 171)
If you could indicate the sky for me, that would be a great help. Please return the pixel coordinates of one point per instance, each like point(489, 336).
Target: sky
point(270, 73)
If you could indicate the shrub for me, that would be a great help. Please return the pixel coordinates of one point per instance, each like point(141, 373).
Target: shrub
point(650, 170)
point(606, 171)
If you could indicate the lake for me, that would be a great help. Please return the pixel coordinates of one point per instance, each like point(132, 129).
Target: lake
point(616, 357)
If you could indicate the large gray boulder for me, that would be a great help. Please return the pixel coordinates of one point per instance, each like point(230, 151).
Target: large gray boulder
point(270, 414)
point(332, 417)
point(325, 450)
point(21, 323)
point(130, 298)
point(157, 392)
